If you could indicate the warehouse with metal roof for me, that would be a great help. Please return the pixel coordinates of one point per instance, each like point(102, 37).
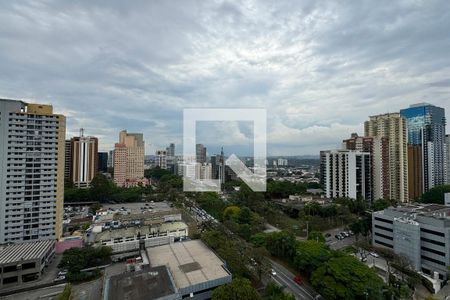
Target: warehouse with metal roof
point(24, 262)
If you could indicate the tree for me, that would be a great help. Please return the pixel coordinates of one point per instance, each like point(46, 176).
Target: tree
point(436, 195)
point(310, 255)
point(238, 289)
point(245, 216)
point(275, 292)
point(344, 277)
point(316, 236)
point(101, 188)
point(382, 204)
point(281, 244)
point(231, 212)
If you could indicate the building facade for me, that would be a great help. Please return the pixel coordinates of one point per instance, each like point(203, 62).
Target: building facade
point(379, 151)
point(83, 160)
point(393, 128)
point(420, 233)
point(171, 150)
point(200, 153)
point(346, 174)
point(128, 158)
point(447, 151)
point(161, 159)
point(426, 130)
point(32, 154)
point(103, 162)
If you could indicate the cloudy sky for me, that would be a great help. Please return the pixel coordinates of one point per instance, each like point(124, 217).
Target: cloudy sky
point(320, 68)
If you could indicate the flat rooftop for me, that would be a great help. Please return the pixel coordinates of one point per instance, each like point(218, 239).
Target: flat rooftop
point(190, 262)
point(428, 210)
point(147, 284)
point(143, 230)
point(25, 251)
point(139, 207)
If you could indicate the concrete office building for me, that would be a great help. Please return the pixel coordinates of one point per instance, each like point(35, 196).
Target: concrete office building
point(419, 232)
point(379, 151)
point(24, 262)
point(128, 158)
point(83, 160)
point(161, 159)
point(200, 153)
point(393, 127)
point(426, 131)
point(32, 140)
point(346, 173)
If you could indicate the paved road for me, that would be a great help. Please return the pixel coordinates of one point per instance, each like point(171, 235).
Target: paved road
point(285, 278)
point(48, 293)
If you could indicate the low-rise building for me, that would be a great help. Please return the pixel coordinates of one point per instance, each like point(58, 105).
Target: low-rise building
point(195, 269)
point(24, 262)
point(128, 239)
point(419, 232)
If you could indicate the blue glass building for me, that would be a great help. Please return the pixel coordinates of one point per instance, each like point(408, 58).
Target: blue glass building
point(426, 128)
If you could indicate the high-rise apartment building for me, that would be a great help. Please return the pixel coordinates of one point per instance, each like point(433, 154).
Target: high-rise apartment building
point(447, 151)
point(111, 159)
point(393, 128)
point(128, 158)
point(171, 150)
point(200, 153)
point(426, 131)
point(379, 151)
point(83, 160)
point(346, 174)
point(161, 159)
point(32, 142)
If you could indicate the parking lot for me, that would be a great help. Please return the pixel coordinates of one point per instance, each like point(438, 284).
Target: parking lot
point(335, 243)
point(139, 207)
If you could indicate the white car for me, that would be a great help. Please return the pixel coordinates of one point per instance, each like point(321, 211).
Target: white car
point(374, 254)
point(273, 272)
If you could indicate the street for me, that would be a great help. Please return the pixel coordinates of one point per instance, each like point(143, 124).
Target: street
point(286, 279)
point(48, 293)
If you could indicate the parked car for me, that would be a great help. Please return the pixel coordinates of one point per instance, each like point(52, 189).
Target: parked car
point(59, 279)
point(374, 254)
point(327, 235)
point(298, 279)
point(273, 272)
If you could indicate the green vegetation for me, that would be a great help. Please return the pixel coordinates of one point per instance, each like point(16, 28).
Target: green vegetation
point(229, 250)
point(436, 195)
point(104, 190)
point(238, 289)
point(77, 259)
point(316, 236)
point(275, 292)
point(335, 274)
point(344, 277)
point(65, 295)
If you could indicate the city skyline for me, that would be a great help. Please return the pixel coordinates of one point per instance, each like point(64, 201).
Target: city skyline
point(320, 78)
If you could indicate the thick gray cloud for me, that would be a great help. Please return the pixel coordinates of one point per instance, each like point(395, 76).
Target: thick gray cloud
point(319, 67)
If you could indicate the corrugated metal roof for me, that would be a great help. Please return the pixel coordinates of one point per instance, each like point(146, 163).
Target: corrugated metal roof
point(25, 251)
